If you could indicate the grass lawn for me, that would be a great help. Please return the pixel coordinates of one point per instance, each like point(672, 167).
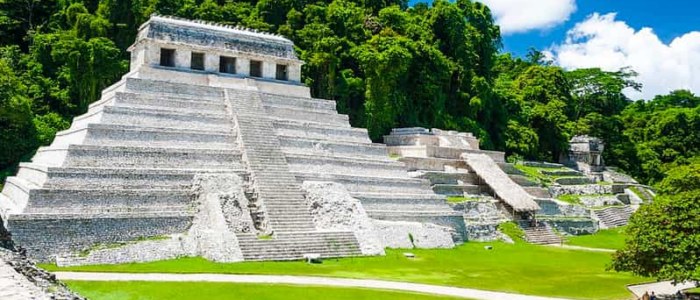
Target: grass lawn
point(97, 290)
point(606, 238)
point(535, 174)
point(518, 268)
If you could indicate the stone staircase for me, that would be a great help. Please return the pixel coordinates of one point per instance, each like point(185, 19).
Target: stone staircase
point(293, 246)
point(320, 145)
point(123, 170)
point(280, 200)
point(540, 234)
point(614, 216)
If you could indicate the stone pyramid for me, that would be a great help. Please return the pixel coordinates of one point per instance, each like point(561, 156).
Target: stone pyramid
point(207, 112)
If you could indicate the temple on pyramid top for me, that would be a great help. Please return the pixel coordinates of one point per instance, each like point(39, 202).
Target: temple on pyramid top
point(171, 43)
point(210, 146)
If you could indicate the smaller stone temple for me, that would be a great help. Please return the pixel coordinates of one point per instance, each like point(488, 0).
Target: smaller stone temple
point(457, 167)
point(586, 155)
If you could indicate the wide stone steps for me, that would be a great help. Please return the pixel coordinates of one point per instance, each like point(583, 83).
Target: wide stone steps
point(268, 166)
point(344, 165)
point(432, 163)
point(177, 89)
point(541, 235)
point(370, 184)
point(128, 135)
point(124, 178)
point(67, 233)
point(427, 202)
point(46, 200)
point(293, 246)
point(614, 216)
point(456, 189)
point(295, 129)
point(159, 117)
point(442, 177)
point(299, 114)
point(298, 102)
point(169, 102)
point(326, 147)
point(141, 157)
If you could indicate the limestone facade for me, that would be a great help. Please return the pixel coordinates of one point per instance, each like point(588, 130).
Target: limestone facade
point(118, 184)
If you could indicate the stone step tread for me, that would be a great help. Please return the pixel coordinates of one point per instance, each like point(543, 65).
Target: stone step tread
point(385, 162)
point(333, 111)
point(332, 176)
point(148, 101)
point(182, 108)
point(145, 149)
point(195, 115)
point(446, 212)
point(88, 215)
point(287, 124)
point(269, 97)
point(397, 196)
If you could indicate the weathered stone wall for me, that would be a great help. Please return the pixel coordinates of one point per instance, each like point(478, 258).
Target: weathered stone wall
point(333, 209)
point(585, 189)
point(573, 226)
point(553, 207)
point(22, 279)
point(401, 234)
point(71, 234)
point(482, 219)
point(222, 211)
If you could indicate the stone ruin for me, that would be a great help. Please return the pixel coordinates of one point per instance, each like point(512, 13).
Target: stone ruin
point(211, 147)
point(456, 167)
point(494, 191)
point(586, 155)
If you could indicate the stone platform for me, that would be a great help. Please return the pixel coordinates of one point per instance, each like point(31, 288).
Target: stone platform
point(199, 162)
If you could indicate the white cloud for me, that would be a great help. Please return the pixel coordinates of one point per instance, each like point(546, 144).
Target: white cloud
point(601, 41)
point(516, 16)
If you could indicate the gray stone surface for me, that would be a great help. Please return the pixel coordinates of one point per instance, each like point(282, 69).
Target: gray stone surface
point(118, 182)
point(553, 207)
point(597, 201)
point(573, 226)
point(334, 209)
point(20, 279)
point(399, 234)
point(503, 187)
point(584, 189)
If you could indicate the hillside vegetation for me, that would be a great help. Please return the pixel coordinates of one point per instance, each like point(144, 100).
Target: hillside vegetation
point(386, 65)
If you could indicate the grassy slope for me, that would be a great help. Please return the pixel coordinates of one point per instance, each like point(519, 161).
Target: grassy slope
point(518, 268)
point(213, 291)
point(607, 238)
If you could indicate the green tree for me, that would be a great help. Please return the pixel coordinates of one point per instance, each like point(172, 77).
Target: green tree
point(664, 237)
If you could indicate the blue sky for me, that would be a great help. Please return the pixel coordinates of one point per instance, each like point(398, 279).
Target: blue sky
point(658, 39)
point(669, 19)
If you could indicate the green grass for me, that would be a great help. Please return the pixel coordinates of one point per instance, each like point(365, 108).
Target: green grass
point(518, 268)
point(513, 231)
point(694, 290)
point(606, 238)
point(460, 199)
point(97, 290)
point(573, 199)
point(535, 174)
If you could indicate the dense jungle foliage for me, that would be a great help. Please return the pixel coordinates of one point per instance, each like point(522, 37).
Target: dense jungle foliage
point(385, 64)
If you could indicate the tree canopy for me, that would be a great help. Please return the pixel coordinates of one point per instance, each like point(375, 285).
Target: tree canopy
point(386, 65)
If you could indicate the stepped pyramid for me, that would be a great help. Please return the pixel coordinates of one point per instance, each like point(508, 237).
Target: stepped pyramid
point(205, 99)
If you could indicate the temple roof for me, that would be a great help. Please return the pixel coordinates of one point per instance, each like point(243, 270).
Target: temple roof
point(206, 34)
